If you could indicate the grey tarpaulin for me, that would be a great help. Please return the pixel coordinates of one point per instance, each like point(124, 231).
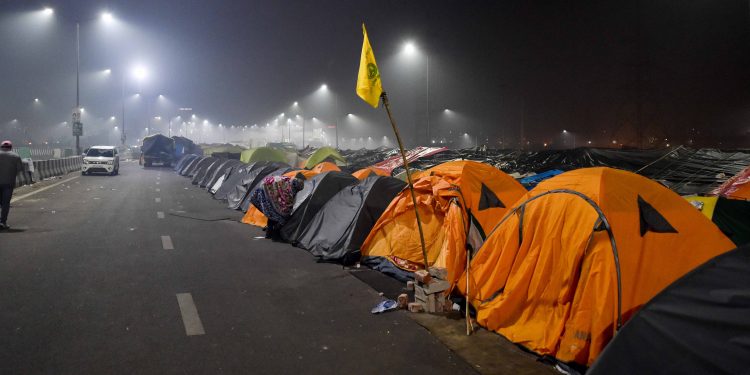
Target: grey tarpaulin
point(200, 171)
point(235, 176)
point(222, 174)
point(317, 191)
point(339, 228)
point(244, 185)
point(700, 324)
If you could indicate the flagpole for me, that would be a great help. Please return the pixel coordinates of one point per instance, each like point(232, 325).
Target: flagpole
point(387, 106)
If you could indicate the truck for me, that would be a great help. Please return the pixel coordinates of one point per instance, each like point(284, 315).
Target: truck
point(157, 149)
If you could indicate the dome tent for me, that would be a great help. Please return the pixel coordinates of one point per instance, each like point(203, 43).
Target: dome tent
point(316, 192)
point(479, 194)
point(579, 254)
point(697, 325)
point(342, 224)
point(324, 154)
point(263, 154)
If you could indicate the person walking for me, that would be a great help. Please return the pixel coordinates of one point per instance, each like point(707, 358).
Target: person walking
point(10, 166)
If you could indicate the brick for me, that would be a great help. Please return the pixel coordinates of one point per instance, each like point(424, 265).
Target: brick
point(435, 286)
point(415, 307)
point(422, 276)
point(409, 285)
point(439, 272)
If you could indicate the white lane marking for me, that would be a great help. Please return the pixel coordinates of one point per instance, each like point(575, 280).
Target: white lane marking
point(157, 200)
point(18, 198)
point(157, 182)
point(166, 243)
point(189, 312)
point(158, 190)
point(160, 215)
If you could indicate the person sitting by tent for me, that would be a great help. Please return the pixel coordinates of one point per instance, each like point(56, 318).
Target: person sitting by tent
point(275, 199)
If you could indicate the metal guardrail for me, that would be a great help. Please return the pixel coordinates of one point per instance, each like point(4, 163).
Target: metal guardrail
point(38, 170)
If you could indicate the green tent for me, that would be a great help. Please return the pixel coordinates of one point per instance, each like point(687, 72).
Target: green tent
point(263, 154)
point(219, 149)
point(325, 154)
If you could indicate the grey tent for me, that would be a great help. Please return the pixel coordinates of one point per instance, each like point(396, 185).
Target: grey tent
point(212, 171)
point(317, 191)
point(184, 160)
point(221, 175)
point(202, 169)
point(339, 228)
point(245, 205)
point(195, 168)
point(237, 194)
point(233, 179)
point(700, 324)
point(190, 167)
point(187, 164)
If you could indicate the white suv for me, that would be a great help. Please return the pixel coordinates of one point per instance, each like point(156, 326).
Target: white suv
point(102, 159)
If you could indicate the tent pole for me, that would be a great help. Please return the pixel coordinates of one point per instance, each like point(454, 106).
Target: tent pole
point(387, 105)
point(469, 326)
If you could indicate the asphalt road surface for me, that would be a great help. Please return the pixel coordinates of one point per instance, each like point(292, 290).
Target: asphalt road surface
point(144, 273)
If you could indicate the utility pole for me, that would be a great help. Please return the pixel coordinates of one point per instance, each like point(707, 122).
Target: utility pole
point(77, 125)
point(429, 140)
point(122, 102)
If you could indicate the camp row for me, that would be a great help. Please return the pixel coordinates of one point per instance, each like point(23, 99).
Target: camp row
point(599, 268)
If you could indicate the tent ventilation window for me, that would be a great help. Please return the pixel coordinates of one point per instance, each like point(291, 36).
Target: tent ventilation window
point(488, 199)
point(652, 220)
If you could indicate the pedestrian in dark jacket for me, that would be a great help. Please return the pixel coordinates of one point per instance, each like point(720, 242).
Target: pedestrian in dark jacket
point(10, 166)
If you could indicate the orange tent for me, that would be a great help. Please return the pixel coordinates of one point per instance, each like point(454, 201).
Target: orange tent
point(253, 216)
point(452, 198)
point(325, 167)
point(369, 171)
point(580, 254)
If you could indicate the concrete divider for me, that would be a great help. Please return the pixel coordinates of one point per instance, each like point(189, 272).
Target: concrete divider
point(48, 168)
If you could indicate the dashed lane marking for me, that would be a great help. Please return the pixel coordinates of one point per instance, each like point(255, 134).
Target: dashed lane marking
point(166, 243)
point(158, 190)
point(157, 200)
point(160, 215)
point(18, 198)
point(189, 312)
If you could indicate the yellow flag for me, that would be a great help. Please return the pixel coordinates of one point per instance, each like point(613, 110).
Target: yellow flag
point(369, 86)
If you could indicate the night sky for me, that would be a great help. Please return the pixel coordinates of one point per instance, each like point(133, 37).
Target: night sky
point(642, 73)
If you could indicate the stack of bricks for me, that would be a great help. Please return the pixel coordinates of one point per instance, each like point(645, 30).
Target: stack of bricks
point(429, 293)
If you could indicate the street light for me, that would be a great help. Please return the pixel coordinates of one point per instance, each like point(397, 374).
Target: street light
point(565, 133)
point(410, 49)
point(77, 125)
point(107, 17)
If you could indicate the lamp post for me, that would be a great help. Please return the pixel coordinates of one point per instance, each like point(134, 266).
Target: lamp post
point(565, 132)
point(411, 49)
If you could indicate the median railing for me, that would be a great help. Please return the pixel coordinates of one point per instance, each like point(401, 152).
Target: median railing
point(37, 170)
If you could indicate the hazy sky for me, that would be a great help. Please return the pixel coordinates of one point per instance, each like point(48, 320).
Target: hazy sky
point(503, 68)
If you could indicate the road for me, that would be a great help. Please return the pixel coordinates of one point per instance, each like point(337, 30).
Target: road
point(144, 273)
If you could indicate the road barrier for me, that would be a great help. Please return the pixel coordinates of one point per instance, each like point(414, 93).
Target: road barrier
point(42, 169)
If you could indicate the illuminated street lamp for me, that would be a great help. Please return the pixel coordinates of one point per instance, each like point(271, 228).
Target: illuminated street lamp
point(410, 49)
point(77, 125)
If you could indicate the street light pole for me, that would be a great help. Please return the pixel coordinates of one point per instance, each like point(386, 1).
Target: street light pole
point(336, 122)
point(428, 99)
point(122, 102)
point(78, 91)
